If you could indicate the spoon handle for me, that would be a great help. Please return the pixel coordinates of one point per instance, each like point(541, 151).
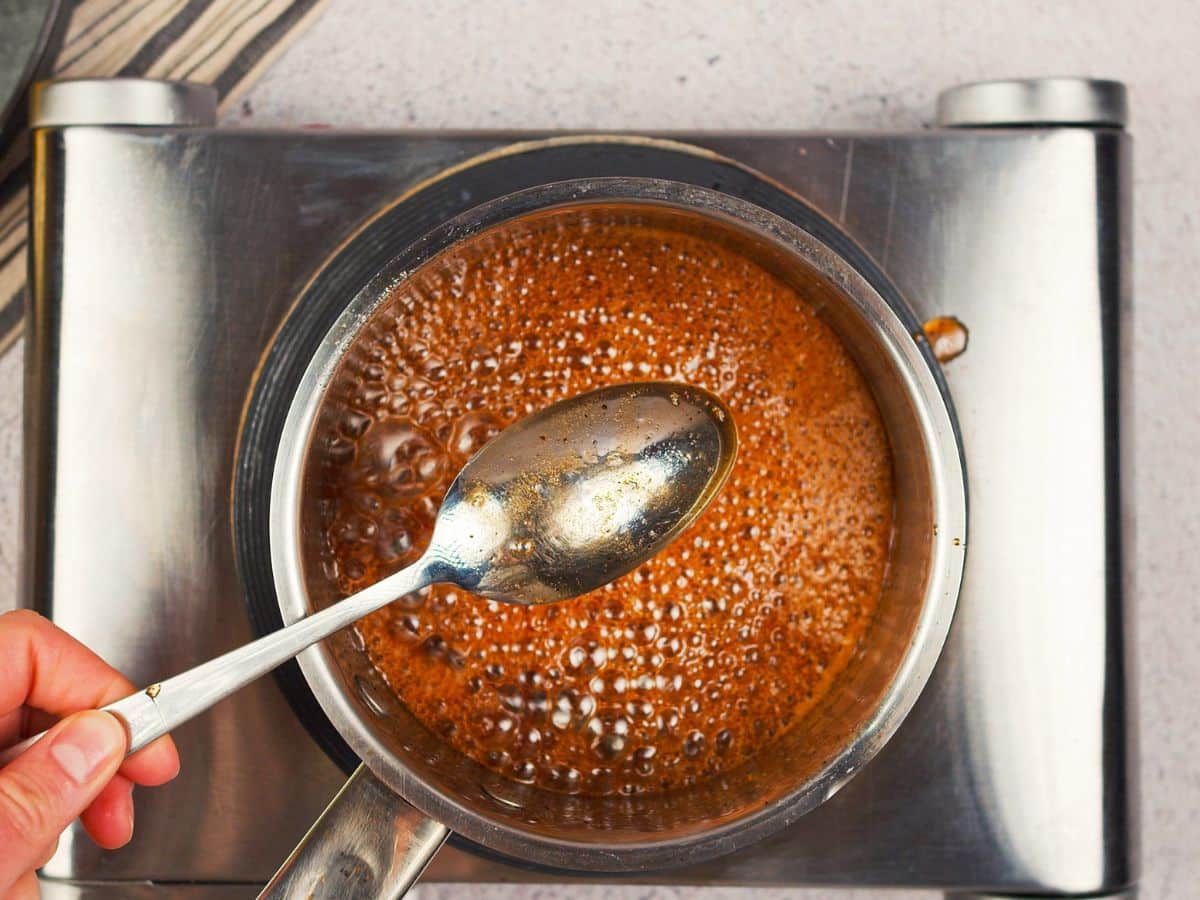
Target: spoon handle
point(150, 713)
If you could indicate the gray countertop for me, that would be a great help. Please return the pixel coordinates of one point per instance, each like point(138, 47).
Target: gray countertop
point(714, 65)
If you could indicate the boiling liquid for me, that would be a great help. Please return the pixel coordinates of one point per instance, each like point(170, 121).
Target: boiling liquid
point(691, 664)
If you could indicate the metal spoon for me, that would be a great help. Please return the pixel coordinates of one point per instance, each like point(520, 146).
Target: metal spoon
point(557, 505)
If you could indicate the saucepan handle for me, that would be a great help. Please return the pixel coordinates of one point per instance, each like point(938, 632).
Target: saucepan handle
point(369, 844)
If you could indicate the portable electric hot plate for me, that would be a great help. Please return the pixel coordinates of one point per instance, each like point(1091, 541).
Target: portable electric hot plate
point(182, 273)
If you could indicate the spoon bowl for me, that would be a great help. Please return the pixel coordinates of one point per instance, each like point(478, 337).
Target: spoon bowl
point(573, 497)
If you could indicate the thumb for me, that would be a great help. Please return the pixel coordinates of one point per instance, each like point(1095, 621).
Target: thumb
point(45, 788)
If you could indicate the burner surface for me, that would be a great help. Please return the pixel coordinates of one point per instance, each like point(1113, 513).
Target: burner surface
point(166, 327)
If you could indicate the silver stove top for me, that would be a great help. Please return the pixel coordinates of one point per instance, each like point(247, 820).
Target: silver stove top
point(168, 253)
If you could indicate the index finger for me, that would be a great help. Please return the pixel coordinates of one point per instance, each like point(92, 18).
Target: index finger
point(42, 666)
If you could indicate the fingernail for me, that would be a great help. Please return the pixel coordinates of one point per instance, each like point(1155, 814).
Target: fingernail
point(87, 742)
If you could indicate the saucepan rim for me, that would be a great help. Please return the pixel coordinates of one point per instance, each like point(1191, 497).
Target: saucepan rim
point(948, 499)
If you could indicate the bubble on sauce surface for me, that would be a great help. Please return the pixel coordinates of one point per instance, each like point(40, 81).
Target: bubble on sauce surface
point(686, 667)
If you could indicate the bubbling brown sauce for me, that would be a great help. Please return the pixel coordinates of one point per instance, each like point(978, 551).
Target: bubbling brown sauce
point(688, 666)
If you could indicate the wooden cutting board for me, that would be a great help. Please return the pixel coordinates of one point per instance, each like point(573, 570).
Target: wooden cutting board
point(225, 43)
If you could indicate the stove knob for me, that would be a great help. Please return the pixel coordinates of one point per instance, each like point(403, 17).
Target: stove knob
point(141, 102)
point(1034, 102)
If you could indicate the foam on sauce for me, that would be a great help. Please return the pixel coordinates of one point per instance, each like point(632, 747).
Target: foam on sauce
point(687, 666)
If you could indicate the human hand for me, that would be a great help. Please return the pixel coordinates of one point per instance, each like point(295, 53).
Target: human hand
point(78, 769)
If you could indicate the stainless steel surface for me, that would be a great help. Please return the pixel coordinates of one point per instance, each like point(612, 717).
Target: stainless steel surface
point(369, 844)
point(1015, 771)
point(852, 722)
point(1035, 101)
point(121, 101)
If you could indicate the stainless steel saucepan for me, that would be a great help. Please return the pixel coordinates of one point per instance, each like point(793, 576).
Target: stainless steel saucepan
point(412, 788)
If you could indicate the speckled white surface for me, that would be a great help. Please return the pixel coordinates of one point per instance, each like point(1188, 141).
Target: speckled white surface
point(709, 64)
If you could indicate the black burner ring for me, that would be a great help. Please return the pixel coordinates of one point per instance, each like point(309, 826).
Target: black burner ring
point(349, 270)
